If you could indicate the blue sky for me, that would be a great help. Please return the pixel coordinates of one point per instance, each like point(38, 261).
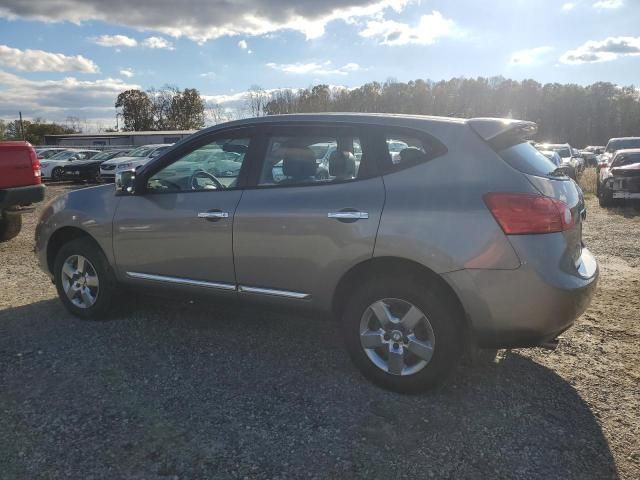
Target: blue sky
point(72, 57)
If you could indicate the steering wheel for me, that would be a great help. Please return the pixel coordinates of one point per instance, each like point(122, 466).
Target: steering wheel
point(203, 174)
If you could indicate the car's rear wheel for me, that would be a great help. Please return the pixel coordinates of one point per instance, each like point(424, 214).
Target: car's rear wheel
point(84, 279)
point(56, 174)
point(10, 225)
point(404, 335)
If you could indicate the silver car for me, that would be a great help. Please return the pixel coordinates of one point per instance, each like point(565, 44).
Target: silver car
point(465, 237)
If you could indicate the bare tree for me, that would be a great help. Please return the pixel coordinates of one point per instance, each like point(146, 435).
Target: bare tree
point(256, 100)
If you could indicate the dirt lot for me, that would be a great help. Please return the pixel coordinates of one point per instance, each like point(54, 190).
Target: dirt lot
point(203, 390)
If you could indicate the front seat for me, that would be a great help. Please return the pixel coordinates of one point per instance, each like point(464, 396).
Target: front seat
point(342, 165)
point(299, 165)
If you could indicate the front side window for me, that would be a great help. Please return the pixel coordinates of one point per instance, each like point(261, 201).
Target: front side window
point(214, 166)
point(311, 157)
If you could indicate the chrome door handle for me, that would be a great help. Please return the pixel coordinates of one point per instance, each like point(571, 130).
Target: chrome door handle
point(213, 215)
point(348, 215)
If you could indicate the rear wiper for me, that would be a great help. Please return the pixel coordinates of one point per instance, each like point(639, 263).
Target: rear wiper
point(558, 172)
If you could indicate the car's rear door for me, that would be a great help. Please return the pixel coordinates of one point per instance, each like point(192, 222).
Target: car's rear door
point(180, 229)
point(296, 231)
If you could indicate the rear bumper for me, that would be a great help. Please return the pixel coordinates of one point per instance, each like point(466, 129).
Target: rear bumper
point(16, 196)
point(523, 308)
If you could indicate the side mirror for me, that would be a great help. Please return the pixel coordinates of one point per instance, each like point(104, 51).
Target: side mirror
point(125, 182)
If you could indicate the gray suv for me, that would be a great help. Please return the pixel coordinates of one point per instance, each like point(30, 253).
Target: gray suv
point(468, 236)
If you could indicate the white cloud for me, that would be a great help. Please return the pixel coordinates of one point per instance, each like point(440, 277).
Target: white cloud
point(426, 32)
point(314, 68)
point(603, 51)
point(608, 4)
point(567, 7)
point(208, 75)
point(115, 41)
point(243, 44)
point(127, 72)
point(529, 56)
point(201, 20)
point(157, 42)
point(57, 99)
point(41, 61)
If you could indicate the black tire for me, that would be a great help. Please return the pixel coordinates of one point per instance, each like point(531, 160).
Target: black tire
point(442, 313)
point(605, 198)
point(56, 174)
point(108, 286)
point(10, 225)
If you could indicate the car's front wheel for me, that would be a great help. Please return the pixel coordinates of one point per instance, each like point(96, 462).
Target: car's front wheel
point(56, 174)
point(84, 279)
point(404, 335)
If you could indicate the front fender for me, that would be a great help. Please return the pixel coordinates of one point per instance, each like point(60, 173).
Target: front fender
point(90, 210)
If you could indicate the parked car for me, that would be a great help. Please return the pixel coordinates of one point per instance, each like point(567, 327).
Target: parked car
point(595, 149)
point(20, 185)
point(569, 161)
point(615, 144)
point(53, 167)
point(590, 158)
point(47, 152)
point(135, 158)
point(89, 169)
point(578, 159)
point(620, 180)
point(469, 238)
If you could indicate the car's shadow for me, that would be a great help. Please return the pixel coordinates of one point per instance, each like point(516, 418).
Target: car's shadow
point(627, 209)
point(214, 390)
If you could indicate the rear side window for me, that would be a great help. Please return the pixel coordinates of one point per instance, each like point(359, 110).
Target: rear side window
point(527, 159)
point(406, 148)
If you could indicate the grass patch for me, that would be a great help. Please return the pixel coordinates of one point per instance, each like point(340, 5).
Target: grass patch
point(588, 181)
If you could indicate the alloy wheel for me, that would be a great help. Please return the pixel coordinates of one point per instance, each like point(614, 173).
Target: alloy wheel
point(397, 336)
point(80, 281)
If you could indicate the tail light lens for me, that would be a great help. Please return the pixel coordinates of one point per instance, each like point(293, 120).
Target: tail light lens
point(35, 167)
point(525, 214)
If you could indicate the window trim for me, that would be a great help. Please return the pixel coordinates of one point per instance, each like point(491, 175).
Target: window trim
point(180, 150)
point(266, 132)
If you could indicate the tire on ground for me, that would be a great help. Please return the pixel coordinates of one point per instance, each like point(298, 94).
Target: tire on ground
point(10, 225)
point(441, 310)
point(107, 288)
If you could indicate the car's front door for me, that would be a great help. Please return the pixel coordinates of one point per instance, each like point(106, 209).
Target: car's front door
point(299, 227)
point(179, 228)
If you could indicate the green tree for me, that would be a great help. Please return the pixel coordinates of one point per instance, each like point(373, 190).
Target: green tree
point(137, 111)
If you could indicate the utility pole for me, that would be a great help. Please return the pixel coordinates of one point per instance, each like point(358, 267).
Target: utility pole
point(21, 126)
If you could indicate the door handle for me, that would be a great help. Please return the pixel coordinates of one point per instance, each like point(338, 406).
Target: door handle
point(213, 215)
point(348, 215)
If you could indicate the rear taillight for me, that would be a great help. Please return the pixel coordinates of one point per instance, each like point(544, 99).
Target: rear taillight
point(35, 167)
point(525, 214)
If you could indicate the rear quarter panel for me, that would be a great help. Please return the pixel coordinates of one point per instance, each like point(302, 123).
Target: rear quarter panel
point(434, 213)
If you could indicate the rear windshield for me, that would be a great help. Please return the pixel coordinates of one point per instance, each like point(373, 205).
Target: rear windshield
point(623, 144)
point(525, 158)
point(563, 152)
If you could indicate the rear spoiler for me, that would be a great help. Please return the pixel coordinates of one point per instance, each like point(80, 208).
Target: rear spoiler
point(502, 132)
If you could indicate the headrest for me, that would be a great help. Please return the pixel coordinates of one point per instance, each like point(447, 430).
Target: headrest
point(412, 156)
point(299, 162)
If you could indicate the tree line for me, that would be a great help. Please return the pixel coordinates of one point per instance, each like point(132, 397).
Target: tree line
point(580, 115)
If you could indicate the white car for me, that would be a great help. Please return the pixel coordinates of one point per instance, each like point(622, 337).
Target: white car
point(53, 167)
point(139, 156)
point(48, 152)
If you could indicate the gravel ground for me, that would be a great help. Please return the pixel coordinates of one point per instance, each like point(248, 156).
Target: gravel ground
point(173, 389)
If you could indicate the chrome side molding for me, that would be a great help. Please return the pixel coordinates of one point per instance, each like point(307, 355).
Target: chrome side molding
point(181, 281)
point(218, 285)
point(276, 293)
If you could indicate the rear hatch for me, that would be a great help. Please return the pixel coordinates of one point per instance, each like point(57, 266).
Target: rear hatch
point(508, 139)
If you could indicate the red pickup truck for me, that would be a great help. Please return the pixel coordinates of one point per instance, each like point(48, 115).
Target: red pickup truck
point(20, 185)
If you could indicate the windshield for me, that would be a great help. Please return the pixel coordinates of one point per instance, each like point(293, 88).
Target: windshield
point(563, 152)
point(140, 152)
point(102, 156)
point(623, 144)
point(63, 155)
point(626, 159)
